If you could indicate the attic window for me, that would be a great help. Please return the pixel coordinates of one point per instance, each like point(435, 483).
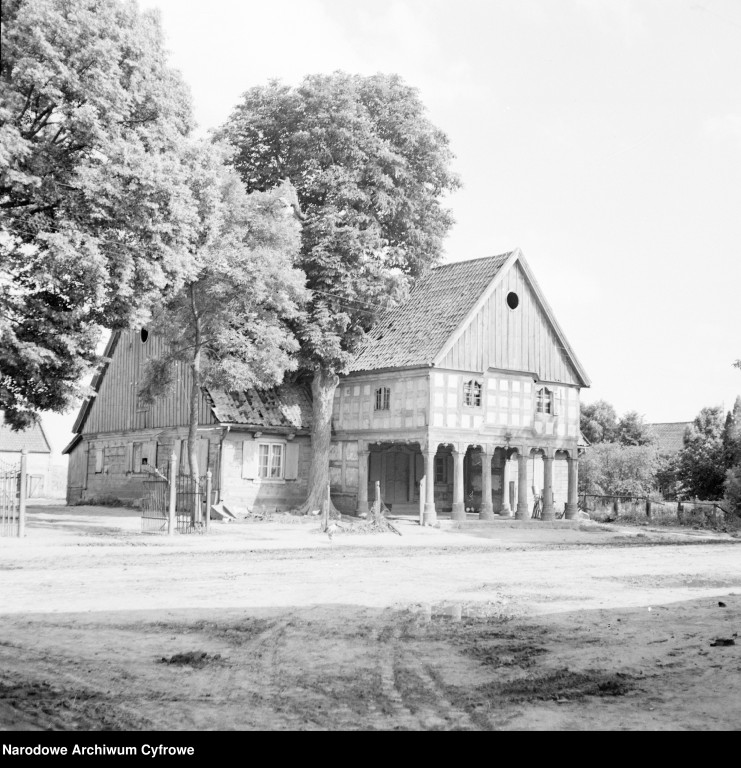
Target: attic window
point(513, 300)
point(144, 335)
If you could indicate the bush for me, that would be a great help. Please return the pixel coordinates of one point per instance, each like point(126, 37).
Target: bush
point(104, 501)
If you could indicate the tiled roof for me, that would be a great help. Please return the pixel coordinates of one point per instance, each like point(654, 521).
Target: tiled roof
point(670, 436)
point(32, 439)
point(413, 333)
point(288, 407)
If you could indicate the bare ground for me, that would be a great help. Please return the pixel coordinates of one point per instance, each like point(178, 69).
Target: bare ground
point(271, 626)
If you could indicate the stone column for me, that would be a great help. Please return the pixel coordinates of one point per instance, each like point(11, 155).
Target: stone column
point(487, 508)
point(363, 456)
point(430, 514)
point(497, 495)
point(459, 506)
point(572, 509)
point(506, 510)
point(523, 513)
point(549, 512)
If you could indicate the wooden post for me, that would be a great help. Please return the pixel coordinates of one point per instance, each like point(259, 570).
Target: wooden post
point(22, 499)
point(325, 515)
point(173, 494)
point(208, 499)
point(363, 456)
point(648, 508)
point(422, 500)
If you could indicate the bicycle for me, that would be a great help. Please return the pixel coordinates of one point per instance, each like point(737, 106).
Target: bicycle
point(537, 507)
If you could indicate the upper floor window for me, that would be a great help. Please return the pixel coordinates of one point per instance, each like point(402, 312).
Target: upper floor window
point(472, 393)
point(271, 461)
point(544, 401)
point(383, 398)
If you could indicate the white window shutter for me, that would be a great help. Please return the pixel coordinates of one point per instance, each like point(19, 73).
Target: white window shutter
point(291, 461)
point(98, 459)
point(202, 455)
point(249, 459)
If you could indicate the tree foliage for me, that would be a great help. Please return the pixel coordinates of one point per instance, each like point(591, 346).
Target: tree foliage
point(229, 323)
point(612, 469)
point(633, 430)
point(732, 447)
point(93, 194)
point(370, 171)
point(598, 422)
point(701, 464)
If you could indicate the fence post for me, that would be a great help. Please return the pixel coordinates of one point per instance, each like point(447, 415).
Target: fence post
point(648, 508)
point(325, 509)
point(208, 499)
point(422, 487)
point(173, 494)
point(22, 499)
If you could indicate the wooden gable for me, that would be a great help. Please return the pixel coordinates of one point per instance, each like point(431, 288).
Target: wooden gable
point(116, 406)
point(526, 338)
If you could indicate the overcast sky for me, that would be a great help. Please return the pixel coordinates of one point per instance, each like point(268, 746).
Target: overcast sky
point(603, 137)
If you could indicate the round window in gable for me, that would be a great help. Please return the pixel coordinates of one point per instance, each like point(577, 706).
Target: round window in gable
point(513, 300)
point(144, 335)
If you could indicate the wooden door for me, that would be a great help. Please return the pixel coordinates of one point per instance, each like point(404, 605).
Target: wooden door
point(396, 477)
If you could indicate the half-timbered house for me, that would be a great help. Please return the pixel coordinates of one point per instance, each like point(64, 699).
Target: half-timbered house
point(470, 384)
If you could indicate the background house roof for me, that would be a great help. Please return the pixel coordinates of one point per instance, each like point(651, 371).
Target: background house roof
point(670, 435)
point(287, 407)
point(414, 332)
point(32, 439)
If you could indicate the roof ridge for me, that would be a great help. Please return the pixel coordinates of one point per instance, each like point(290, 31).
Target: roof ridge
point(475, 258)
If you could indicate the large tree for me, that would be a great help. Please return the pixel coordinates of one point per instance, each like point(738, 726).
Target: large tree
point(370, 170)
point(93, 195)
point(598, 422)
point(612, 469)
point(702, 462)
point(229, 322)
point(732, 448)
point(632, 429)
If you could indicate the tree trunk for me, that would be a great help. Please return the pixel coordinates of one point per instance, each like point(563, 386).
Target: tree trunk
point(323, 387)
point(195, 390)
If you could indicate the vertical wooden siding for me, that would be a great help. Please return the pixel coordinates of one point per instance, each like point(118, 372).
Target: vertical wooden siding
point(521, 339)
point(116, 406)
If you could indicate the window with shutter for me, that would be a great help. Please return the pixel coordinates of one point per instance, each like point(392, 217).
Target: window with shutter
point(98, 460)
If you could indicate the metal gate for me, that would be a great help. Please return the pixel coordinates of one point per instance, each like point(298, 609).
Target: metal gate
point(154, 505)
point(190, 503)
point(13, 498)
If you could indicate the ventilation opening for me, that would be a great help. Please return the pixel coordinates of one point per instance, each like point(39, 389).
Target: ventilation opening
point(144, 335)
point(513, 300)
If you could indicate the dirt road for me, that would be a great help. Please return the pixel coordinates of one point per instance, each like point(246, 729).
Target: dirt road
point(272, 626)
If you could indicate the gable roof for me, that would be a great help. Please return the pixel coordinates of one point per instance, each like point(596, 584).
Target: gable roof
point(97, 380)
point(440, 307)
point(670, 435)
point(414, 333)
point(32, 439)
point(287, 407)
